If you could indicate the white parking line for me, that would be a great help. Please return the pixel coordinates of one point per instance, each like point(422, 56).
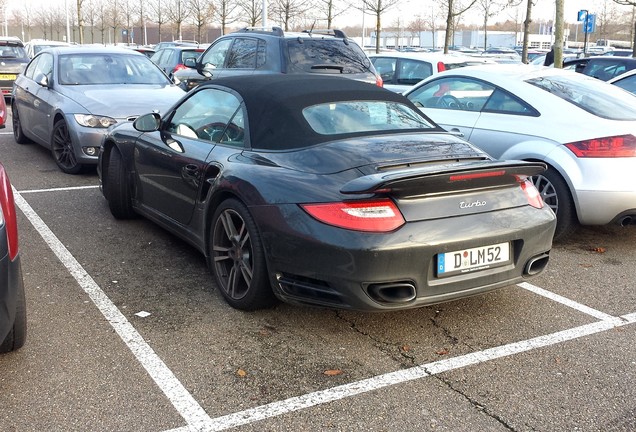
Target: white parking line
point(181, 399)
point(22, 192)
point(567, 302)
point(196, 417)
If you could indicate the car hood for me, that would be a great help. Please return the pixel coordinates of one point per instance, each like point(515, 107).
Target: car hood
point(370, 153)
point(123, 101)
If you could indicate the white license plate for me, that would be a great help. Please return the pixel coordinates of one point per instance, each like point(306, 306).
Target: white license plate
point(475, 259)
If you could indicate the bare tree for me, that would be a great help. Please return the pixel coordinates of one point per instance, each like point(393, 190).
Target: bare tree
point(526, 31)
point(157, 8)
point(25, 16)
point(491, 8)
point(252, 11)
point(90, 12)
point(377, 8)
point(202, 13)
point(328, 10)
point(227, 12)
point(289, 11)
point(177, 11)
point(633, 4)
point(454, 10)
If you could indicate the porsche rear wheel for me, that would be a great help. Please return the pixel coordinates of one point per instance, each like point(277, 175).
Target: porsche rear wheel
point(62, 149)
point(556, 194)
point(237, 258)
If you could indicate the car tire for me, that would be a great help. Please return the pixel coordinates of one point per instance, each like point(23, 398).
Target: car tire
point(62, 149)
point(18, 133)
point(116, 187)
point(556, 194)
point(237, 259)
point(17, 335)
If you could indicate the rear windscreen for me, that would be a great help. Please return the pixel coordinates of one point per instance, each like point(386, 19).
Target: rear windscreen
point(326, 55)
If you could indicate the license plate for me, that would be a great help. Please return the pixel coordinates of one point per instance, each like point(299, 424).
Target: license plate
point(475, 259)
point(7, 77)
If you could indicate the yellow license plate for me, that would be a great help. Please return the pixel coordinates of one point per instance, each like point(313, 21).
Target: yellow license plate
point(7, 77)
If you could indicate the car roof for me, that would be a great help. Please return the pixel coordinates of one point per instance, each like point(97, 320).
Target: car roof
point(274, 103)
point(97, 49)
point(430, 57)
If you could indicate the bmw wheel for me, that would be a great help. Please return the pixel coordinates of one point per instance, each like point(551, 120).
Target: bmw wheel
point(62, 149)
point(18, 133)
point(556, 194)
point(237, 258)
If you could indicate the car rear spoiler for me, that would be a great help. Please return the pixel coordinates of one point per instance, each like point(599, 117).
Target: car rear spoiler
point(443, 178)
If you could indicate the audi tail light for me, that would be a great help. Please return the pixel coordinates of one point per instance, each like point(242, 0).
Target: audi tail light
point(381, 215)
point(441, 67)
point(607, 147)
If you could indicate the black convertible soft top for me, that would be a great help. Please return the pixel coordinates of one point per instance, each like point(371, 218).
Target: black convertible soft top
point(275, 102)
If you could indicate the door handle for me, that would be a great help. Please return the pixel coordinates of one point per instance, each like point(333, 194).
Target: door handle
point(457, 132)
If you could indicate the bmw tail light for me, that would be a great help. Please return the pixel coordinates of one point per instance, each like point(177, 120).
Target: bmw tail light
point(7, 214)
point(531, 192)
point(608, 147)
point(441, 67)
point(380, 215)
point(378, 80)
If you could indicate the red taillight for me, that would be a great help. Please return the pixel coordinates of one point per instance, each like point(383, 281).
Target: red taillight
point(372, 216)
point(179, 67)
point(531, 192)
point(608, 147)
point(8, 215)
point(441, 67)
point(378, 80)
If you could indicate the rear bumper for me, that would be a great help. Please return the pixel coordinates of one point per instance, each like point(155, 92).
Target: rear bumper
point(312, 263)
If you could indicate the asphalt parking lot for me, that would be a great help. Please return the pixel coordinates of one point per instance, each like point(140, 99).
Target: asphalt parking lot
point(128, 333)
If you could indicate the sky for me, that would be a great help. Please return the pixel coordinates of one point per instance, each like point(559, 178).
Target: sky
point(409, 9)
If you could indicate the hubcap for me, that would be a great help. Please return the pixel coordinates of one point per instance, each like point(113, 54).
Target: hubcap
point(232, 252)
point(547, 191)
point(62, 147)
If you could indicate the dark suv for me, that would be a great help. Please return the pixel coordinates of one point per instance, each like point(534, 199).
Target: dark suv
point(265, 51)
point(13, 60)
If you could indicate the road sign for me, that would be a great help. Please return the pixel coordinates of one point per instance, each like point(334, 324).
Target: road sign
point(590, 24)
point(581, 15)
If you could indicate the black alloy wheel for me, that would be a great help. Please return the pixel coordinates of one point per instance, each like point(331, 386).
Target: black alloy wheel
point(62, 149)
point(237, 258)
point(18, 133)
point(556, 194)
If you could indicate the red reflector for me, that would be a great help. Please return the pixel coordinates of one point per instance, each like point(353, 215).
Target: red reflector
point(441, 67)
point(179, 67)
point(471, 176)
point(608, 147)
point(370, 216)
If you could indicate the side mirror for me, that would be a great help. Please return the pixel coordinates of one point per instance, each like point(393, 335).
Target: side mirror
point(190, 62)
point(147, 122)
point(41, 79)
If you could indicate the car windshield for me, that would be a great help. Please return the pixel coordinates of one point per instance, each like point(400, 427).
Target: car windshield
point(592, 95)
point(323, 55)
point(108, 68)
point(12, 51)
point(363, 116)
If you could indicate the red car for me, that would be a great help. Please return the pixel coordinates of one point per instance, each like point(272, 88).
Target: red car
point(3, 113)
point(12, 298)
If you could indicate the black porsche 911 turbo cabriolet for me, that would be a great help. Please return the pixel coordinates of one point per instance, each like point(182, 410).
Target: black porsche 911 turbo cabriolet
point(327, 191)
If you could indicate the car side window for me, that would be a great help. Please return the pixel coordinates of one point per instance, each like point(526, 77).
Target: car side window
point(411, 72)
point(210, 115)
point(506, 103)
point(452, 93)
point(385, 66)
point(243, 54)
point(215, 56)
point(628, 83)
point(31, 68)
point(44, 66)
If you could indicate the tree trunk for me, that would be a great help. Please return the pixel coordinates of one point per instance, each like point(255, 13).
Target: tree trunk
point(526, 32)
